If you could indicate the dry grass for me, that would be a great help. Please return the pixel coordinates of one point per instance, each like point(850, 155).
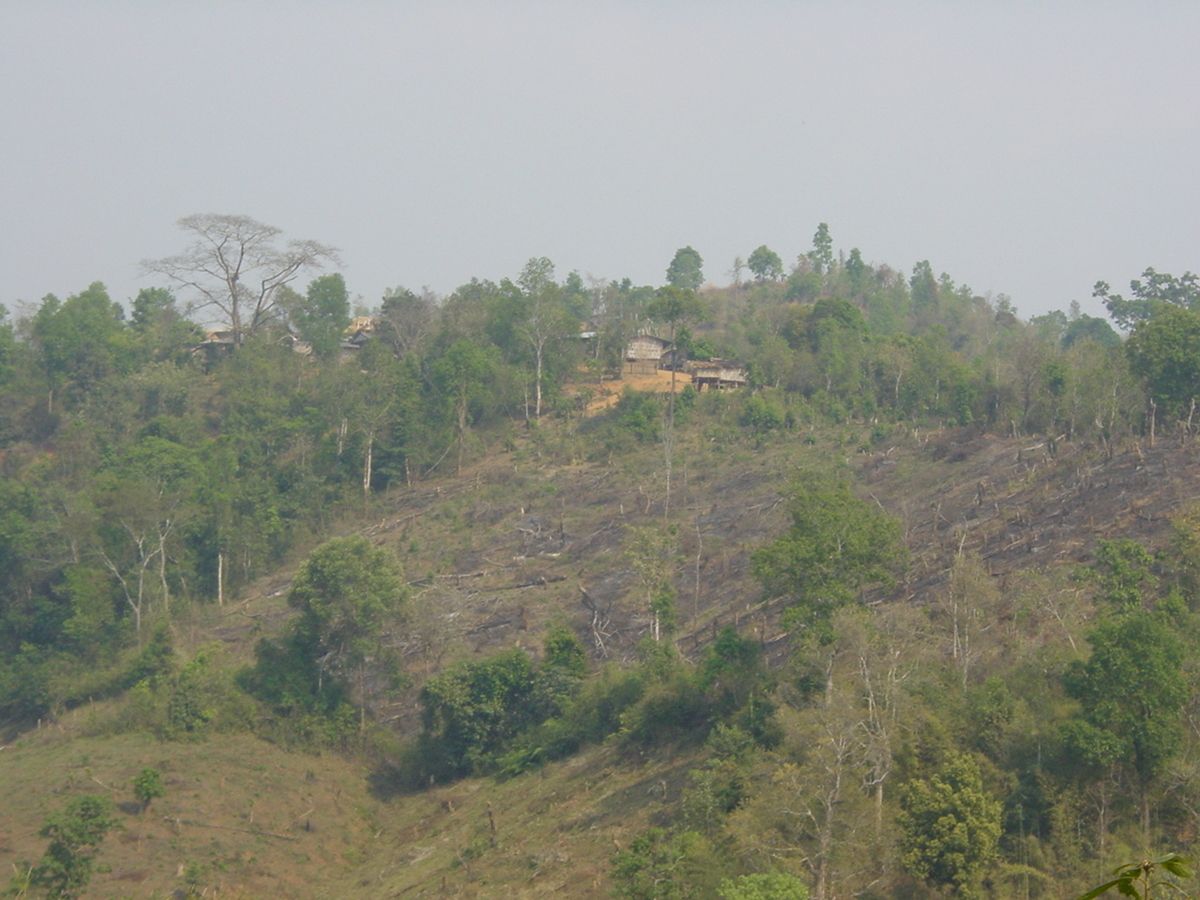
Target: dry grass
point(255, 821)
point(251, 819)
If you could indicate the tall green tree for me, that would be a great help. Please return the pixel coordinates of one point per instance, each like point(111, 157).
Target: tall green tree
point(139, 519)
point(405, 320)
point(256, 493)
point(1165, 352)
point(675, 306)
point(1131, 692)
point(346, 592)
point(145, 498)
point(1090, 328)
point(765, 264)
point(1123, 570)
point(822, 251)
point(321, 316)
point(856, 270)
point(377, 401)
point(12, 401)
point(837, 335)
point(462, 374)
point(836, 546)
point(949, 827)
point(547, 323)
point(1153, 293)
point(162, 326)
point(923, 285)
point(81, 341)
point(653, 553)
point(686, 270)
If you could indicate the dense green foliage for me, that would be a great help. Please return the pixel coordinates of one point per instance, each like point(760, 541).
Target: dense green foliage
point(972, 731)
point(765, 886)
point(837, 546)
point(660, 865)
point(343, 591)
point(949, 827)
point(348, 593)
point(1165, 351)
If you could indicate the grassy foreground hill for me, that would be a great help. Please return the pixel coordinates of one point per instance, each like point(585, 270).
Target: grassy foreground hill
point(495, 554)
point(244, 818)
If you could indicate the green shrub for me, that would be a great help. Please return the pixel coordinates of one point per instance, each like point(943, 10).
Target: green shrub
point(148, 785)
point(306, 709)
point(672, 710)
point(203, 699)
point(764, 886)
point(75, 834)
point(471, 711)
point(763, 414)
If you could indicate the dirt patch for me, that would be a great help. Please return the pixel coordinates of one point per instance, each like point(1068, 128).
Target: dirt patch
point(609, 392)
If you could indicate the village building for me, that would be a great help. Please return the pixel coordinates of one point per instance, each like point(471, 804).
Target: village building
point(717, 374)
point(644, 355)
point(358, 332)
point(647, 354)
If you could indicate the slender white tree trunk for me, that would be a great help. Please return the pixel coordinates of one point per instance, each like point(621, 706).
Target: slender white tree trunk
point(367, 463)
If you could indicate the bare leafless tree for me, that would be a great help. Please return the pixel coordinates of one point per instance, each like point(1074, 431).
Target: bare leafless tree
point(236, 266)
point(406, 319)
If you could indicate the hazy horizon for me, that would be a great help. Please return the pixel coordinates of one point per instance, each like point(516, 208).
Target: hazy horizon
point(1024, 149)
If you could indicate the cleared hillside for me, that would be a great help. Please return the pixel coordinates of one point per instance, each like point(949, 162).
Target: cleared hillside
point(495, 554)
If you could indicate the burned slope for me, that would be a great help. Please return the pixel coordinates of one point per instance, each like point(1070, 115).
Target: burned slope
point(497, 553)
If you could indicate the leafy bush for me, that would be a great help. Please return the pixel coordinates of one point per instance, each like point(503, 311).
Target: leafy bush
point(737, 686)
point(473, 711)
point(564, 651)
point(345, 591)
point(664, 864)
point(24, 692)
point(588, 716)
point(203, 699)
point(675, 709)
point(148, 785)
point(75, 834)
point(763, 414)
point(721, 784)
point(306, 709)
point(157, 657)
point(504, 714)
point(639, 414)
point(764, 886)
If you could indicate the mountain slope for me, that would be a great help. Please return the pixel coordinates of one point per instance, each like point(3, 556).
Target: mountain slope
point(496, 554)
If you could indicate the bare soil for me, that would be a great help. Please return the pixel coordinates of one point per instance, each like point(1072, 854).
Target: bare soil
point(608, 393)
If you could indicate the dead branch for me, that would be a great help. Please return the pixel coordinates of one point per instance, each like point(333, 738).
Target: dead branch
point(178, 822)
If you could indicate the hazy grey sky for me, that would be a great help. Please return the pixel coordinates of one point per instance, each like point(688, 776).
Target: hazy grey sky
point(1029, 148)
